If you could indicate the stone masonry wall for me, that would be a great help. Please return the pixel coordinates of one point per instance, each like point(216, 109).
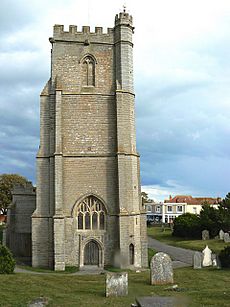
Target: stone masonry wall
point(18, 232)
point(89, 122)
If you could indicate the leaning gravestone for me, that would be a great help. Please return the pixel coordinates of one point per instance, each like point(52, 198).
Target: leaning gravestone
point(161, 270)
point(221, 234)
point(216, 261)
point(226, 238)
point(205, 235)
point(197, 260)
point(207, 259)
point(116, 284)
point(38, 302)
point(161, 301)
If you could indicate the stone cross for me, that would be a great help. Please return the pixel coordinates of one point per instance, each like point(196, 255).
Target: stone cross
point(161, 270)
point(197, 260)
point(207, 260)
point(226, 237)
point(205, 235)
point(116, 284)
point(221, 234)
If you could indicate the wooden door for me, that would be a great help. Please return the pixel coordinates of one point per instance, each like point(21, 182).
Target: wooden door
point(91, 253)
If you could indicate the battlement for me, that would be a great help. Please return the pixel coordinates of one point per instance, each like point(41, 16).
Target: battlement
point(123, 18)
point(26, 188)
point(74, 35)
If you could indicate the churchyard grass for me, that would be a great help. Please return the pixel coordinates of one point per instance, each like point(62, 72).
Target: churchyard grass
point(166, 236)
point(206, 287)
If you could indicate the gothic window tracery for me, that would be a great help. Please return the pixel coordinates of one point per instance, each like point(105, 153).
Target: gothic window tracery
point(90, 214)
point(88, 71)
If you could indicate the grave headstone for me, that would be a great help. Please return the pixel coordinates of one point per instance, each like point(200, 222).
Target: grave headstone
point(207, 259)
point(221, 234)
point(161, 270)
point(197, 260)
point(38, 302)
point(205, 235)
point(161, 301)
point(226, 237)
point(116, 284)
point(216, 261)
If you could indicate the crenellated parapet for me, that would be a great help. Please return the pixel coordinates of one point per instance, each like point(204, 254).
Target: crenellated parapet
point(123, 18)
point(85, 36)
point(24, 189)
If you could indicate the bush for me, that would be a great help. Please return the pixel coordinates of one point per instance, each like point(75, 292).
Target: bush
point(224, 257)
point(187, 226)
point(210, 219)
point(7, 262)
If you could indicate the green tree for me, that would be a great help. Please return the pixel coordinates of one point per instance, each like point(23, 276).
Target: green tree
point(210, 219)
point(145, 198)
point(187, 225)
point(7, 181)
point(7, 262)
point(224, 207)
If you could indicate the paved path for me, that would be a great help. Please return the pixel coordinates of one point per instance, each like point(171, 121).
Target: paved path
point(89, 271)
point(179, 255)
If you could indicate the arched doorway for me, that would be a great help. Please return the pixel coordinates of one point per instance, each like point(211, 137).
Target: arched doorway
point(91, 253)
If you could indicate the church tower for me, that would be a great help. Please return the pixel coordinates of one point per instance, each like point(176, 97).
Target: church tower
point(88, 208)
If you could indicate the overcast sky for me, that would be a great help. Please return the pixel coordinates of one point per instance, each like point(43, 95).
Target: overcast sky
point(182, 84)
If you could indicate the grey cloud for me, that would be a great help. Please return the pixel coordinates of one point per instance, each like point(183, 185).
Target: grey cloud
point(16, 14)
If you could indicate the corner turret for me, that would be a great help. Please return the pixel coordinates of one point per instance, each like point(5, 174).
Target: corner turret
point(124, 18)
point(123, 32)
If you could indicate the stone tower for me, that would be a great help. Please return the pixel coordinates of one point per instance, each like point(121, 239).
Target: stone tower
point(88, 207)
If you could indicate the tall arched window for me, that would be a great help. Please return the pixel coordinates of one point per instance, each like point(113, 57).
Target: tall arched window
point(131, 254)
point(90, 214)
point(88, 71)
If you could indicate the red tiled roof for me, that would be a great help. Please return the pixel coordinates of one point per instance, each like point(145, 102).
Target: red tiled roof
point(2, 218)
point(190, 200)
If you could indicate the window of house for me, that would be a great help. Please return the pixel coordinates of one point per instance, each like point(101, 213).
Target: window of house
point(149, 208)
point(194, 210)
point(158, 209)
point(179, 209)
point(169, 208)
point(90, 214)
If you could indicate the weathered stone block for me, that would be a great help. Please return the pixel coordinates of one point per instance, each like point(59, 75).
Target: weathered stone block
point(221, 234)
point(161, 270)
point(197, 260)
point(226, 238)
point(205, 235)
point(116, 284)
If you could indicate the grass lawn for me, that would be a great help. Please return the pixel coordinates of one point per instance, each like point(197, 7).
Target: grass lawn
point(68, 269)
point(206, 287)
point(156, 232)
